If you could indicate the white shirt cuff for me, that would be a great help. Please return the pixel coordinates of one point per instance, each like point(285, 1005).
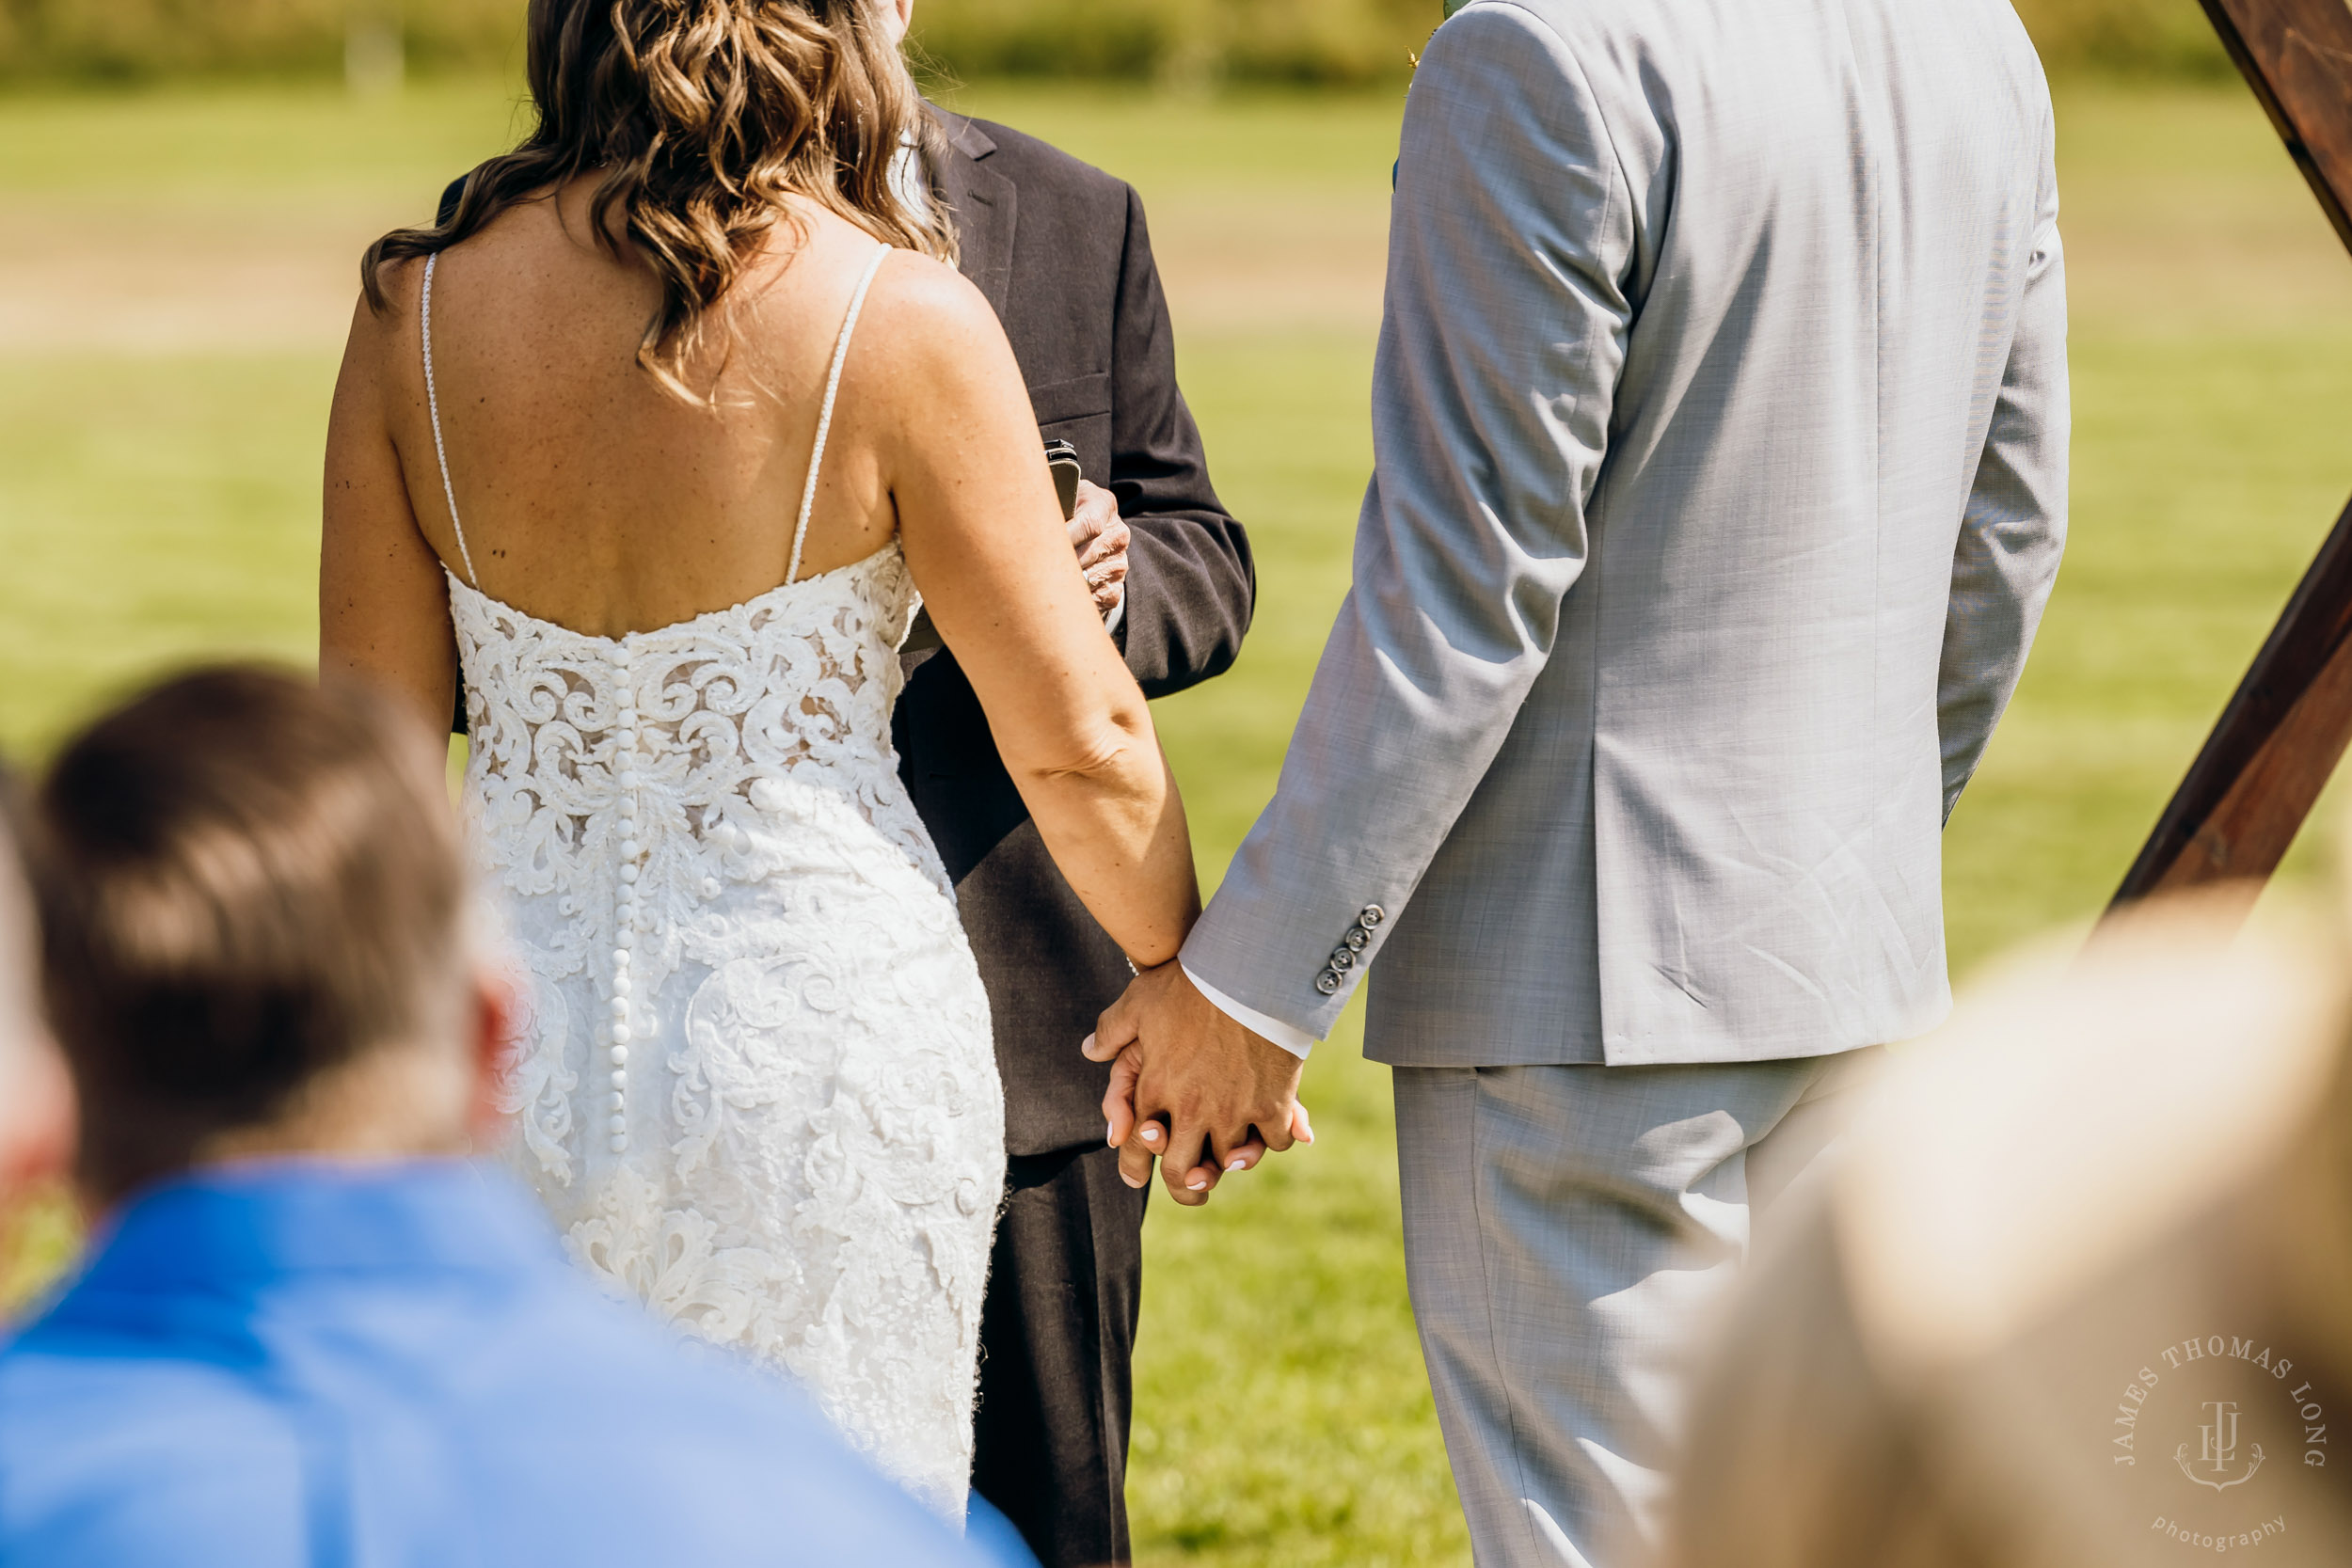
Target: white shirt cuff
point(1289, 1036)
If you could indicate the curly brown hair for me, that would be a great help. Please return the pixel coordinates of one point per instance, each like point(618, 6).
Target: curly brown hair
point(246, 881)
point(701, 115)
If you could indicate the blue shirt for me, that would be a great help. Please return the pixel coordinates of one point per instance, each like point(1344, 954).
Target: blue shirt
point(302, 1366)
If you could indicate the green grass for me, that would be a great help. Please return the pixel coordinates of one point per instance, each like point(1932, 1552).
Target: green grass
point(160, 507)
point(151, 513)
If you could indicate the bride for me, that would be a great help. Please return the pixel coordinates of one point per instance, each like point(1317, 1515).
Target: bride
point(653, 447)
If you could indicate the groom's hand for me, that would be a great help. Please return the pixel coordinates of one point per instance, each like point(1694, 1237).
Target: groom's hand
point(1192, 1088)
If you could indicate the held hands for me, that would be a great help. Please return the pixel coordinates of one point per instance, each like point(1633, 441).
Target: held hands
point(1191, 1087)
point(1101, 540)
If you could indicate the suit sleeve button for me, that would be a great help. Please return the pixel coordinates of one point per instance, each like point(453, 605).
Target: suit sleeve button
point(1342, 958)
point(1358, 938)
point(1329, 982)
point(1372, 917)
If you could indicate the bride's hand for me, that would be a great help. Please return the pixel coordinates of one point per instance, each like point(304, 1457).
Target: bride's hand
point(1118, 1110)
point(1180, 1087)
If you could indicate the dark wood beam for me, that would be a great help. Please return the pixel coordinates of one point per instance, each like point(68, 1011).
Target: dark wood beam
point(2283, 734)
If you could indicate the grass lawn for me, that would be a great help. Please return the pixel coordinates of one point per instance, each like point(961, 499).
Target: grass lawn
point(174, 271)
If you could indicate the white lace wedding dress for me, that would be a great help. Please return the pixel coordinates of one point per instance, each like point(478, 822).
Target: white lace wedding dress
point(758, 1091)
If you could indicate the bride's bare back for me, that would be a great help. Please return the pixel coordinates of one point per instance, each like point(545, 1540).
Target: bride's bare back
point(595, 498)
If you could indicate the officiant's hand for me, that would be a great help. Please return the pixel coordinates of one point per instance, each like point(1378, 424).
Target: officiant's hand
point(1191, 1087)
point(1101, 539)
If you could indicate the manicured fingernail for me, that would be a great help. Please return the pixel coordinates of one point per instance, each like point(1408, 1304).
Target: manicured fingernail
point(1129, 1179)
point(1110, 1135)
point(1198, 1186)
point(1151, 1134)
point(1238, 1163)
point(1088, 1046)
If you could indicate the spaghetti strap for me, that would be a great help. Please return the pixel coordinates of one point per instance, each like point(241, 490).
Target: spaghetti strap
point(433, 403)
point(824, 419)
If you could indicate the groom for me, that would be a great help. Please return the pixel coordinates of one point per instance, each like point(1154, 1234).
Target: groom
point(1720, 431)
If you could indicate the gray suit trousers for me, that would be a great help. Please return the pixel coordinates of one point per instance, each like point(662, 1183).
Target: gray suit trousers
point(1567, 1231)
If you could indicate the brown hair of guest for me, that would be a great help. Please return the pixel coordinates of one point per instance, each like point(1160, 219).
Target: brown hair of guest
point(245, 881)
point(698, 118)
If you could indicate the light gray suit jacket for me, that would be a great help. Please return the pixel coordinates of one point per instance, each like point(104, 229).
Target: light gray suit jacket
point(1721, 426)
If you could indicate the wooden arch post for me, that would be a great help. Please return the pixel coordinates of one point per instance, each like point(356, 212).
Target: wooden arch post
point(2279, 739)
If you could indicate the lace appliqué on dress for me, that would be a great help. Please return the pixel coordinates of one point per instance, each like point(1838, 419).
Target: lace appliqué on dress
point(758, 1092)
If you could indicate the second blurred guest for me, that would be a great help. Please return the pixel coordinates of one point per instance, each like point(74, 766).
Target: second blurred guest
point(2075, 1297)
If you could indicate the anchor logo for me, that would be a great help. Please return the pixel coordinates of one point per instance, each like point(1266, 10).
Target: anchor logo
point(2220, 1448)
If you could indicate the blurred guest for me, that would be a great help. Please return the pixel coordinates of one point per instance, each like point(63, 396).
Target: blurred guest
point(310, 1331)
point(2075, 1297)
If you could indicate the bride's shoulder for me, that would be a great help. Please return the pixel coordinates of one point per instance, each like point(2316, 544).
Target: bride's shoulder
point(917, 287)
point(921, 309)
point(384, 318)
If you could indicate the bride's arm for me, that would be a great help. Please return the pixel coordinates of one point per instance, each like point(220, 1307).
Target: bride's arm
point(984, 535)
point(383, 605)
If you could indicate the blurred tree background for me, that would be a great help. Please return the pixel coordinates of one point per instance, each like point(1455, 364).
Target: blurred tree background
point(132, 41)
point(1184, 41)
